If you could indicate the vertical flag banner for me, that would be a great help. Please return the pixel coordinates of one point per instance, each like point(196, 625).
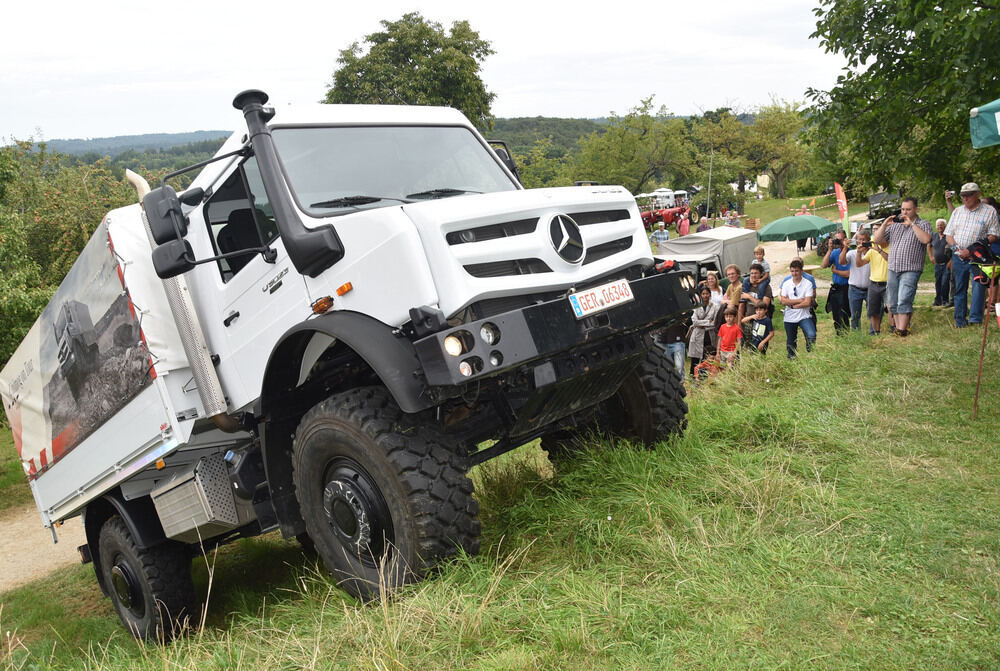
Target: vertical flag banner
point(842, 206)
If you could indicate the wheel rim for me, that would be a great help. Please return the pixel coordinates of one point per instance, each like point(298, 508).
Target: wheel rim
point(356, 512)
point(126, 588)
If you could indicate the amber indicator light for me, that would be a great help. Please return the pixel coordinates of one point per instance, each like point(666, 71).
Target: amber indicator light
point(344, 288)
point(321, 305)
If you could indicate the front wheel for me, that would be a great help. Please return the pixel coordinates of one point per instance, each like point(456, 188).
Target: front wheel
point(150, 588)
point(384, 499)
point(648, 407)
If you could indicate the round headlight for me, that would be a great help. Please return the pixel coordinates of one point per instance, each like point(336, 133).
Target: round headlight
point(453, 345)
point(489, 333)
point(465, 368)
point(496, 358)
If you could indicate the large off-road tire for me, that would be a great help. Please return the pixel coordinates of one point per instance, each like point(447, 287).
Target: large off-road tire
point(384, 498)
point(151, 589)
point(648, 407)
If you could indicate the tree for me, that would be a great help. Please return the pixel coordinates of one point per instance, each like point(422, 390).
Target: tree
point(637, 150)
point(775, 143)
point(914, 70)
point(414, 62)
point(538, 169)
point(724, 137)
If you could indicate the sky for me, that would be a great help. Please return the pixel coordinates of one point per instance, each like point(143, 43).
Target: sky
point(104, 67)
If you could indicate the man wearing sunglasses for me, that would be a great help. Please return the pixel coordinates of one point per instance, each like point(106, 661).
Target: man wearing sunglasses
point(973, 221)
point(797, 296)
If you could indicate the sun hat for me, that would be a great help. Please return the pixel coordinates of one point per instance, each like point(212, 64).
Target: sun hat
point(969, 187)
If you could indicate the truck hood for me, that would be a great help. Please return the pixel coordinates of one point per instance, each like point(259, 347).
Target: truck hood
point(514, 243)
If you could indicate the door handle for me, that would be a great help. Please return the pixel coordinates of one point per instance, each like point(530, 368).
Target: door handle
point(230, 319)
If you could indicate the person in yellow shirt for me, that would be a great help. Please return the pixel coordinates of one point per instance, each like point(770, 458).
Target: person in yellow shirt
point(878, 257)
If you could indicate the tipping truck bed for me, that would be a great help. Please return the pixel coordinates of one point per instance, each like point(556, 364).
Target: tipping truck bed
point(99, 389)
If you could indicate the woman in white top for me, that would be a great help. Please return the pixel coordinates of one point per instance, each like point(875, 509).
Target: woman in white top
point(712, 282)
point(796, 296)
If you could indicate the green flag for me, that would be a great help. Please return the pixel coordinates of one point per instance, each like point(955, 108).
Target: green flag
point(984, 124)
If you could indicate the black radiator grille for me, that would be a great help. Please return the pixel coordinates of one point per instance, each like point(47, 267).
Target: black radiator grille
point(599, 217)
point(492, 231)
point(506, 268)
point(607, 249)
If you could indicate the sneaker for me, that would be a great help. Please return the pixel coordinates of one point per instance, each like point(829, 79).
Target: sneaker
point(902, 333)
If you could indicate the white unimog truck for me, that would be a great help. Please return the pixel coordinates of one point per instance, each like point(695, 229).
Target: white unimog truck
point(318, 336)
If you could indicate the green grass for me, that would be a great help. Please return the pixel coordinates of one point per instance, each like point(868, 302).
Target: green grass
point(769, 209)
point(13, 484)
point(836, 511)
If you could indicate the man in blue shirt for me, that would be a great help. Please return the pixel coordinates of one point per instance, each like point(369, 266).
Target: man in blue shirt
point(838, 302)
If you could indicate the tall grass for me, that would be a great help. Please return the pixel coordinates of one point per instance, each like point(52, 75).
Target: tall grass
point(835, 511)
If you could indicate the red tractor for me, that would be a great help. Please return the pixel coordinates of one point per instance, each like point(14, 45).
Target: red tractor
point(667, 215)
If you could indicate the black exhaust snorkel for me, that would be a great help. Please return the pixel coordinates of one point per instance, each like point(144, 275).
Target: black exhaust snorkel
point(312, 250)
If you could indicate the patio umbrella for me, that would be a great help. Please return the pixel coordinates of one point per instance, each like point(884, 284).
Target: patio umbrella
point(984, 124)
point(796, 228)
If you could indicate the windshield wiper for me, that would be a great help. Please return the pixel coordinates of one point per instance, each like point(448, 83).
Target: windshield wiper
point(438, 193)
point(353, 201)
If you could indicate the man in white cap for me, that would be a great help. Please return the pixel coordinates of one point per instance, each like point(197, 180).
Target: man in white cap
point(973, 221)
point(660, 235)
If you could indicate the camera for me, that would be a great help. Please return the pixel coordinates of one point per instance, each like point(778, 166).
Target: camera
point(949, 193)
point(897, 216)
point(837, 243)
point(866, 245)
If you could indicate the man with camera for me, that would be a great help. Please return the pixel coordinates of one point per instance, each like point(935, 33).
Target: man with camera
point(837, 302)
point(907, 236)
point(973, 221)
point(939, 254)
point(859, 277)
point(876, 257)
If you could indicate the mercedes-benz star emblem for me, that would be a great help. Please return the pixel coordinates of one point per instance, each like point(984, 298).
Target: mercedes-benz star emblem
point(566, 237)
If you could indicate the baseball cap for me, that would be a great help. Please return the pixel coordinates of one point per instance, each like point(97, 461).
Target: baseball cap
point(970, 187)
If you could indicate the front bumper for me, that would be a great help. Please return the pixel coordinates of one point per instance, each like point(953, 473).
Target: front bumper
point(541, 332)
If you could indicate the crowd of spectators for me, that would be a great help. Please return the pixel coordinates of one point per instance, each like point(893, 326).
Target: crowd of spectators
point(873, 273)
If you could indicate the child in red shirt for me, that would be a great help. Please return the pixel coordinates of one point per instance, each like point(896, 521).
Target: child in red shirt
point(730, 334)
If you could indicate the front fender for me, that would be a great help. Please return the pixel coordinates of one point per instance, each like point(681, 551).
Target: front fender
point(391, 356)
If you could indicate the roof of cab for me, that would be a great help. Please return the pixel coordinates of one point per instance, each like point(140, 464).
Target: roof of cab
point(365, 114)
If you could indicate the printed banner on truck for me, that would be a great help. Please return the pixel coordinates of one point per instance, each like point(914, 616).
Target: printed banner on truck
point(82, 361)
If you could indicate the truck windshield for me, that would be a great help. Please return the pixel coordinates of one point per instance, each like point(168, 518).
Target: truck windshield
point(339, 170)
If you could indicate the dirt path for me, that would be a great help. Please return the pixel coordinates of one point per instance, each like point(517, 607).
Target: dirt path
point(26, 549)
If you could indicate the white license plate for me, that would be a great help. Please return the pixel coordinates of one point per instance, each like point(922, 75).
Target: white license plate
point(598, 299)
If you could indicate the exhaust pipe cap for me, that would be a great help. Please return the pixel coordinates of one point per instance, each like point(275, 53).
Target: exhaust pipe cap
point(249, 97)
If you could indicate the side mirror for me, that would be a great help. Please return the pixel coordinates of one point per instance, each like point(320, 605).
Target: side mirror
point(503, 153)
point(173, 258)
point(163, 211)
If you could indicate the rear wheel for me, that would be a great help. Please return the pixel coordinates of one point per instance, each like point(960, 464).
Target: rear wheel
point(151, 588)
point(648, 407)
point(384, 499)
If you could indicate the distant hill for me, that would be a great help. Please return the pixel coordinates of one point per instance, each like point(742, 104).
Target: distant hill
point(521, 133)
point(112, 146)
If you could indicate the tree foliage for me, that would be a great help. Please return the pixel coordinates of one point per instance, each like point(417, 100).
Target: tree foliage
point(636, 150)
point(775, 143)
point(49, 208)
point(413, 61)
point(901, 107)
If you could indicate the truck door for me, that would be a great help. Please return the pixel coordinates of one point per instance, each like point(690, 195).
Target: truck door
point(255, 300)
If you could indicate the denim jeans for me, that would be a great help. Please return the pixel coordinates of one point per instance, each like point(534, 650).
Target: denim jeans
point(677, 350)
point(901, 290)
point(808, 327)
point(857, 297)
point(962, 273)
point(942, 284)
